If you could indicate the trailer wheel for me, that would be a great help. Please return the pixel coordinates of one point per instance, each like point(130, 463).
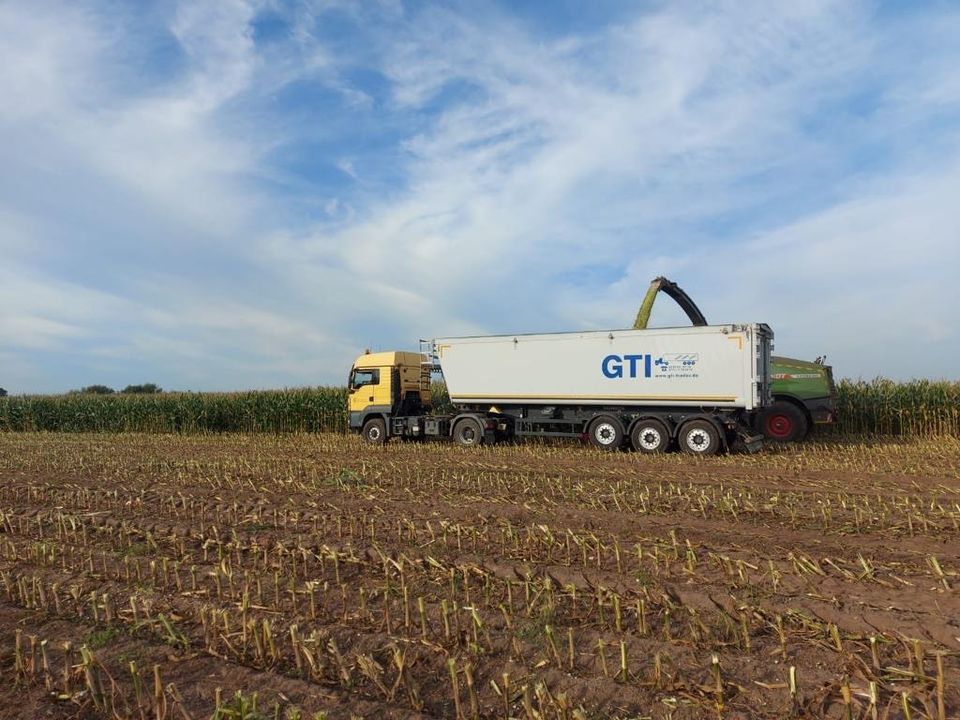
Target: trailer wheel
point(468, 433)
point(699, 437)
point(605, 433)
point(650, 436)
point(784, 422)
point(375, 431)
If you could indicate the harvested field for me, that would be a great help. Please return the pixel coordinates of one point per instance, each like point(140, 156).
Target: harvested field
point(152, 576)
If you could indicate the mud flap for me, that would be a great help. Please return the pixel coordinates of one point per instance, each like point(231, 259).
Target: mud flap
point(747, 441)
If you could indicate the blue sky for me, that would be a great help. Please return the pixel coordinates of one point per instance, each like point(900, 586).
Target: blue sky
point(242, 194)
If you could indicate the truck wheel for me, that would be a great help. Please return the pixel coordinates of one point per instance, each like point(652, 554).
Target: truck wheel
point(699, 437)
point(375, 431)
point(468, 433)
point(605, 433)
point(650, 436)
point(784, 422)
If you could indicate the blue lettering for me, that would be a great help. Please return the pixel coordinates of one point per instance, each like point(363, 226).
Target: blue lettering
point(612, 367)
point(632, 359)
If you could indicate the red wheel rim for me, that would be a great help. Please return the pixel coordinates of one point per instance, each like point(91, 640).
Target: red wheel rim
point(779, 426)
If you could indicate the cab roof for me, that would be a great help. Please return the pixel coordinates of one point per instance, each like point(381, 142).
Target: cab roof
point(391, 359)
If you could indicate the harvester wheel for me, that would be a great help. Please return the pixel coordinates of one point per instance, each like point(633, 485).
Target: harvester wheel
point(700, 437)
point(375, 431)
point(605, 433)
point(650, 436)
point(783, 422)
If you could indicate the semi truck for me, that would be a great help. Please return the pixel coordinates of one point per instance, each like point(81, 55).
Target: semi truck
point(804, 392)
point(694, 388)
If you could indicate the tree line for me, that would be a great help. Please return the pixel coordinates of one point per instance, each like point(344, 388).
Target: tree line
point(143, 389)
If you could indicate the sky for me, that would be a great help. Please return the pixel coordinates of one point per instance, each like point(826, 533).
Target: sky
point(247, 194)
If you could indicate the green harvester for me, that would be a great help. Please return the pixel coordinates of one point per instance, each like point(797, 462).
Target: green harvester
point(804, 393)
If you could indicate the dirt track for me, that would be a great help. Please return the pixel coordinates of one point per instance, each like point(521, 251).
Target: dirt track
point(547, 579)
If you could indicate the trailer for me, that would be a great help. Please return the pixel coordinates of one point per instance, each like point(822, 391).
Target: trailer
point(649, 390)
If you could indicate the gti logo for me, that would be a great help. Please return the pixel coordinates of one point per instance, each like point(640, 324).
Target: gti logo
point(614, 365)
point(677, 361)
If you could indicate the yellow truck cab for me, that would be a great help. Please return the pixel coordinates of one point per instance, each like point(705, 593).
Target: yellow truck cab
point(384, 385)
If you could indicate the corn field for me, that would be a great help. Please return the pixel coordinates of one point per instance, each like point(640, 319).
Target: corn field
point(295, 410)
point(883, 407)
point(918, 408)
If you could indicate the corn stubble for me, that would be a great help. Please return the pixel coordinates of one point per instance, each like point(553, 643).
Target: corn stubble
point(529, 582)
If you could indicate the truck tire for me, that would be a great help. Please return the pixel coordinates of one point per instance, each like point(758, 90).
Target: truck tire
point(650, 436)
point(468, 433)
point(605, 433)
point(375, 431)
point(783, 422)
point(699, 437)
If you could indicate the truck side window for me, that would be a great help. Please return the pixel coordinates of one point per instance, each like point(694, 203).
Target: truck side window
point(365, 377)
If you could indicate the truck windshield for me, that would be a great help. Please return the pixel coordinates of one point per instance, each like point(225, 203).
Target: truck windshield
point(364, 377)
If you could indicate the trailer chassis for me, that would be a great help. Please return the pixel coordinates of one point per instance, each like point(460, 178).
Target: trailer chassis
point(701, 431)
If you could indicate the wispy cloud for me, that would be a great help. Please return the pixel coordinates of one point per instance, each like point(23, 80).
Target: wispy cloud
point(251, 192)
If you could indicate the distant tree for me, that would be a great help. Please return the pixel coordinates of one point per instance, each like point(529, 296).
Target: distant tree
point(145, 389)
point(97, 390)
point(3, 393)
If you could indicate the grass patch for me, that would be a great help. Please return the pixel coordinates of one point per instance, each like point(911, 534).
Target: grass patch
point(99, 639)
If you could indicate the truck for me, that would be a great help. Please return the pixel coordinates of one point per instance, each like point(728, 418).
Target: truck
point(694, 388)
point(804, 392)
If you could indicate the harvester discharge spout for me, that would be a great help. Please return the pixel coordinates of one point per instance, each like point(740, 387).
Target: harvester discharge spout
point(686, 303)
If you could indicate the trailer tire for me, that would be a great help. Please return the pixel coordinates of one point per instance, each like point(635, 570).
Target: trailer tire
point(699, 437)
point(649, 436)
point(375, 431)
point(783, 422)
point(468, 432)
point(606, 433)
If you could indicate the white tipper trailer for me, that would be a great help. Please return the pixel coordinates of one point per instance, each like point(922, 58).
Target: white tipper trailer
point(695, 388)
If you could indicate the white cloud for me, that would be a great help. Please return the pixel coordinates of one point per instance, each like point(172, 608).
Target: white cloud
point(496, 181)
point(46, 55)
point(346, 166)
point(534, 173)
point(38, 312)
point(795, 166)
point(868, 281)
point(217, 37)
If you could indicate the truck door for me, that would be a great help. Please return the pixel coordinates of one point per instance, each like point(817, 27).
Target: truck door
point(370, 387)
